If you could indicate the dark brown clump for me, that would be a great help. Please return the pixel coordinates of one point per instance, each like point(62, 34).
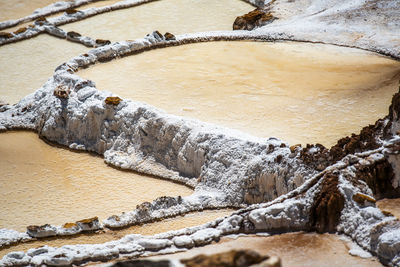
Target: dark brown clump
point(101, 42)
point(113, 100)
point(169, 36)
point(71, 11)
point(234, 258)
point(41, 21)
point(61, 92)
point(379, 178)
point(327, 206)
point(253, 19)
point(5, 35)
point(73, 35)
point(20, 30)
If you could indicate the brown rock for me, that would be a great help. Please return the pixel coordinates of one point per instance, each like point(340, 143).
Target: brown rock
point(101, 42)
point(327, 206)
point(169, 36)
point(379, 178)
point(70, 225)
point(253, 19)
point(41, 21)
point(113, 100)
point(20, 30)
point(234, 258)
point(294, 148)
point(362, 198)
point(5, 35)
point(61, 92)
point(73, 35)
point(71, 11)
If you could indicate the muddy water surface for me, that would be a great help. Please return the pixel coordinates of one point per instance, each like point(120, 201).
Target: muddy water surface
point(175, 16)
point(26, 65)
point(390, 205)
point(294, 249)
point(299, 92)
point(177, 223)
point(44, 184)
point(16, 9)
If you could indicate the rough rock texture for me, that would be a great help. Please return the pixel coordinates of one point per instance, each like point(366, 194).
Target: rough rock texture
point(253, 19)
point(327, 206)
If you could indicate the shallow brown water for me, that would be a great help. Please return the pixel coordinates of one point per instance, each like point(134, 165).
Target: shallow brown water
point(177, 223)
point(15, 9)
point(44, 184)
point(27, 65)
point(390, 205)
point(294, 249)
point(299, 92)
point(175, 16)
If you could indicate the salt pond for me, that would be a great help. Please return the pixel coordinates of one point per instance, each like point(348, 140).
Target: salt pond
point(175, 16)
point(299, 92)
point(45, 184)
point(26, 65)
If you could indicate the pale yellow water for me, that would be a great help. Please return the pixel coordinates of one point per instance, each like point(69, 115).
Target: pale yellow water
point(295, 250)
point(25, 66)
point(299, 92)
point(391, 205)
point(177, 223)
point(15, 9)
point(175, 16)
point(42, 184)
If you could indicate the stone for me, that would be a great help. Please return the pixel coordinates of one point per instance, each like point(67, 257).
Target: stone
point(41, 231)
point(113, 100)
point(20, 30)
point(101, 42)
point(71, 11)
point(253, 19)
point(327, 206)
point(70, 225)
point(362, 198)
point(295, 147)
point(90, 224)
point(169, 36)
point(5, 35)
point(73, 36)
point(41, 21)
point(61, 91)
point(155, 244)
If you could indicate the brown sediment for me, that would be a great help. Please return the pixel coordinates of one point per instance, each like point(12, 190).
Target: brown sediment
point(253, 19)
point(362, 198)
point(6, 35)
point(112, 100)
point(71, 11)
point(379, 178)
point(20, 30)
point(327, 205)
point(61, 91)
point(101, 42)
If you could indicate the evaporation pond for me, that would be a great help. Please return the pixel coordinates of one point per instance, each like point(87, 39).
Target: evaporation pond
point(174, 16)
point(45, 184)
point(16, 9)
point(298, 92)
point(26, 65)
